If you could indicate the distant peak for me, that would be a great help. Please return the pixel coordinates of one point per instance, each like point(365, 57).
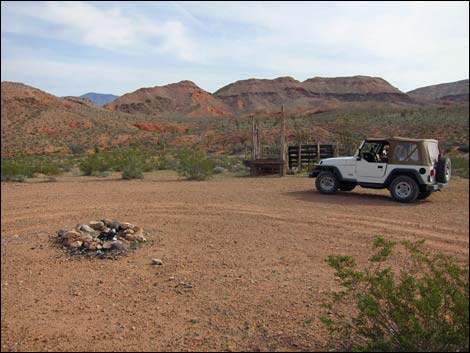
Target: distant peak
point(184, 83)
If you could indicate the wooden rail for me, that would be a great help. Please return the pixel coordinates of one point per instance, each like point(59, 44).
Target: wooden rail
point(300, 156)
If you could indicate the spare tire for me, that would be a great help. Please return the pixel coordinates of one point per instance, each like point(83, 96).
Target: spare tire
point(443, 170)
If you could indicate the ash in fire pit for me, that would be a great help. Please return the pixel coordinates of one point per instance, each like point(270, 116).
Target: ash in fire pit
point(101, 238)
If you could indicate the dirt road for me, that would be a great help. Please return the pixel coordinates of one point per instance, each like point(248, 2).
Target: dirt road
point(252, 248)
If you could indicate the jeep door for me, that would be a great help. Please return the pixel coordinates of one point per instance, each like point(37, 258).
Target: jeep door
point(371, 163)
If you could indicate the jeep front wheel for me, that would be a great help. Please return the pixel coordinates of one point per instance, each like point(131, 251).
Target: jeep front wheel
point(404, 189)
point(326, 183)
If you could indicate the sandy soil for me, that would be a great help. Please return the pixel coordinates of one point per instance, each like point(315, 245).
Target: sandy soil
point(253, 249)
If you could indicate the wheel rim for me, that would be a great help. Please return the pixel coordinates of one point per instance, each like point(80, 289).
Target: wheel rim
point(403, 189)
point(327, 183)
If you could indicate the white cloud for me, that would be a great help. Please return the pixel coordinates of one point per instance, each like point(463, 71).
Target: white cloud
point(410, 44)
point(110, 28)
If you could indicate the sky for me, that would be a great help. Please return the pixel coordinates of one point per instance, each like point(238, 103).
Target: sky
point(71, 48)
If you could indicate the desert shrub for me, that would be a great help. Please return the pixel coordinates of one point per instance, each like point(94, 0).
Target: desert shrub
point(76, 148)
point(424, 307)
point(310, 167)
point(15, 170)
point(460, 166)
point(98, 164)
point(46, 167)
point(463, 148)
point(132, 170)
point(219, 170)
point(195, 165)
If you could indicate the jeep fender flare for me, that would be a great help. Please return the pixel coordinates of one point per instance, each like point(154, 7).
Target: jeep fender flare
point(404, 171)
point(335, 170)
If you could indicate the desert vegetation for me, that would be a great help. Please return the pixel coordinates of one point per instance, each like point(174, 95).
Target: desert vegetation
point(423, 307)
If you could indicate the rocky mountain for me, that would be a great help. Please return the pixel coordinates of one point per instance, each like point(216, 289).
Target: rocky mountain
point(452, 92)
point(258, 94)
point(182, 98)
point(33, 121)
point(99, 99)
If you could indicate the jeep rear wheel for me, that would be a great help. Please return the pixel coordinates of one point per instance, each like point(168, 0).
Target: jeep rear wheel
point(326, 183)
point(424, 194)
point(404, 189)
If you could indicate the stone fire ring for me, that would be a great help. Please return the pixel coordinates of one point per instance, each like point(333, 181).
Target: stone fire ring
point(101, 237)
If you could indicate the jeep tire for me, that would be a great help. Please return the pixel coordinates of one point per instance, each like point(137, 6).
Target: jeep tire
point(443, 170)
point(327, 183)
point(424, 194)
point(404, 189)
point(345, 186)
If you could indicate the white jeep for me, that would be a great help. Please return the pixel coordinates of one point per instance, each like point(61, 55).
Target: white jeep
point(410, 168)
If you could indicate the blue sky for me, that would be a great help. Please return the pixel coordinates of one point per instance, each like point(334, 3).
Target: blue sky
point(70, 48)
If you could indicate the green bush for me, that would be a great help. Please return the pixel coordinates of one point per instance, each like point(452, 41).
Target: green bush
point(195, 165)
point(460, 166)
point(424, 307)
point(219, 170)
point(132, 170)
point(98, 164)
point(16, 170)
point(22, 167)
point(76, 148)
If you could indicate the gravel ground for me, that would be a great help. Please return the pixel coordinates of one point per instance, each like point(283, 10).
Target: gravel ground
point(243, 260)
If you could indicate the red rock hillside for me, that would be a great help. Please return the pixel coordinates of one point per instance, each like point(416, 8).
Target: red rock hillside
point(318, 92)
point(456, 92)
point(182, 98)
point(36, 122)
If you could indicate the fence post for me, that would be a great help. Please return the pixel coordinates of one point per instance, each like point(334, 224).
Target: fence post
point(318, 150)
point(299, 161)
point(283, 167)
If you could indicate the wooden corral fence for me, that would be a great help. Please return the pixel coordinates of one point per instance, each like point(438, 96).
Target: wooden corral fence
point(300, 156)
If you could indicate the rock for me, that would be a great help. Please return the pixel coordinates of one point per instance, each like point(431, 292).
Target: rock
point(96, 225)
point(137, 230)
point(107, 245)
point(130, 237)
point(72, 234)
point(157, 262)
point(126, 225)
point(86, 238)
point(76, 244)
point(85, 228)
point(62, 232)
point(70, 237)
point(128, 231)
point(91, 246)
point(118, 245)
point(114, 225)
point(187, 285)
point(140, 237)
point(107, 222)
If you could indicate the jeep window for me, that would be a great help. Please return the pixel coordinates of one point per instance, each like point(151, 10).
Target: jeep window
point(433, 149)
point(406, 152)
point(372, 151)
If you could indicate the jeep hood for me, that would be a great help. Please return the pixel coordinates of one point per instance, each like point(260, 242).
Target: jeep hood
point(338, 161)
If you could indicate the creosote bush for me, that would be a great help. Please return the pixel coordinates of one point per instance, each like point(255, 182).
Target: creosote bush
point(20, 168)
point(424, 307)
point(195, 165)
point(98, 164)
